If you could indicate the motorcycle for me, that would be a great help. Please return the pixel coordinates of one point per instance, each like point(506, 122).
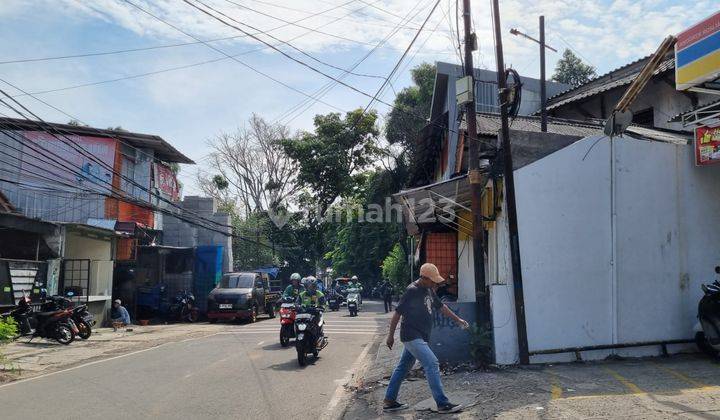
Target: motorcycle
point(57, 325)
point(353, 302)
point(183, 307)
point(81, 316)
point(309, 333)
point(334, 302)
point(707, 329)
point(288, 312)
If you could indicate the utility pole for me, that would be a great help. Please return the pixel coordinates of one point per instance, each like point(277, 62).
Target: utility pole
point(509, 191)
point(543, 83)
point(474, 176)
point(543, 92)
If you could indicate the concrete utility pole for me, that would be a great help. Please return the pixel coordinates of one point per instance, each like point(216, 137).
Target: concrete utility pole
point(474, 176)
point(543, 84)
point(543, 91)
point(509, 190)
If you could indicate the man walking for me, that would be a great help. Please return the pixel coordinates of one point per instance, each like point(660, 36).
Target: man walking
point(415, 308)
point(387, 291)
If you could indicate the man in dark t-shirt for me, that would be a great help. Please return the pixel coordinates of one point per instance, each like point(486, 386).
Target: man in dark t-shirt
point(415, 308)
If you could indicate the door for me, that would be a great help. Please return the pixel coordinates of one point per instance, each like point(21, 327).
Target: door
point(259, 291)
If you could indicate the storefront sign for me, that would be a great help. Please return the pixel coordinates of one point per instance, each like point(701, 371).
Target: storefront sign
point(707, 145)
point(697, 53)
point(166, 182)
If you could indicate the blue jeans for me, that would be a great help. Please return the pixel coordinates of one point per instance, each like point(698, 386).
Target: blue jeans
point(419, 350)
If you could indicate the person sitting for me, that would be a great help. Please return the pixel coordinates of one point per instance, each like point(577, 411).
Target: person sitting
point(312, 298)
point(294, 288)
point(119, 315)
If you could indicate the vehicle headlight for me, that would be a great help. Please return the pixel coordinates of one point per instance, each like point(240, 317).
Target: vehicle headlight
point(284, 315)
point(301, 327)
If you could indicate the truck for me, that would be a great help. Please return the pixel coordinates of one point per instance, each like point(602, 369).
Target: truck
point(241, 296)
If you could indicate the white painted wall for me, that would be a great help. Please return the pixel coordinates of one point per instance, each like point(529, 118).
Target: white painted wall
point(466, 272)
point(665, 238)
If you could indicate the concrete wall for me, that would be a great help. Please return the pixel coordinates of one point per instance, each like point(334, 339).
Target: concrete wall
point(179, 233)
point(78, 246)
point(593, 278)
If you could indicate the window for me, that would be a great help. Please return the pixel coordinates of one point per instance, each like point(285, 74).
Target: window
point(237, 281)
point(645, 117)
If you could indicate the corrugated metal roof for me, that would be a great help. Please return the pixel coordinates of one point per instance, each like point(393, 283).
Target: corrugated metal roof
point(619, 77)
point(489, 125)
point(163, 150)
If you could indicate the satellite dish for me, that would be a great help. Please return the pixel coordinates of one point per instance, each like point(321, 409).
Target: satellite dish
point(618, 122)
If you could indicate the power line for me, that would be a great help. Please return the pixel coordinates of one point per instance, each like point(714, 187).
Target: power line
point(227, 55)
point(301, 108)
point(310, 56)
point(397, 65)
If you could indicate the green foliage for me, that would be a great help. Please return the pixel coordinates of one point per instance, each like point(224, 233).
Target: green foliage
point(411, 108)
point(481, 344)
point(8, 329)
point(330, 157)
point(572, 71)
point(247, 253)
point(395, 268)
point(220, 182)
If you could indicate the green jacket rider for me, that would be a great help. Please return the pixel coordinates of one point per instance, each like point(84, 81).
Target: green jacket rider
point(311, 297)
point(294, 288)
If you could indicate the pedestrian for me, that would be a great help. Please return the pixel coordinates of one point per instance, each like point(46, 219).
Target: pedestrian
point(119, 315)
point(387, 291)
point(415, 309)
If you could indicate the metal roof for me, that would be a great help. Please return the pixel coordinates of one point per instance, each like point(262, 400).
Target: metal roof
point(489, 125)
point(616, 78)
point(163, 150)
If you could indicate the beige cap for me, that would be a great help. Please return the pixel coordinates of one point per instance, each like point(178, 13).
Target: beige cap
point(430, 271)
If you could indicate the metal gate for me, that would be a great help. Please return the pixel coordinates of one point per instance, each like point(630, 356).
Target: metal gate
point(76, 279)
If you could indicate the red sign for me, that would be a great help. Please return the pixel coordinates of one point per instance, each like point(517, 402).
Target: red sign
point(707, 145)
point(698, 31)
point(166, 182)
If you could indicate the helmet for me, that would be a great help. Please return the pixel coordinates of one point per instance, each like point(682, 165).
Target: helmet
point(295, 276)
point(354, 278)
point(310, 280)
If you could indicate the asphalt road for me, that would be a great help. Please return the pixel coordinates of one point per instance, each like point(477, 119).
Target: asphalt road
point(240, 373)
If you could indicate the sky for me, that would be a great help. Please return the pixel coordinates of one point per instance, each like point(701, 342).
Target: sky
point(190, 93)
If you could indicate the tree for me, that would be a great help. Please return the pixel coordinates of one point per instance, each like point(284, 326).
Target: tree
point(572, 71)
point(411, 108)
point(395, 268)
point(329, 159)
point(253, 164)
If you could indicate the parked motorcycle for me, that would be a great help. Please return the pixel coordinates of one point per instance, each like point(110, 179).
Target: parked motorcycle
point(353, 301)
point(288, 312)
point(309, 332)
point(183, 307)
point(707, 330)
point(81, 316)
point(57, 325)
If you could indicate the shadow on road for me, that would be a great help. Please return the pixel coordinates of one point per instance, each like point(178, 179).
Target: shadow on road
point(277, 346)
point(291, 365)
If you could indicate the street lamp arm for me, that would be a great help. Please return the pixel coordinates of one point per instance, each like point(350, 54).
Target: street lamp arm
point(518, 33)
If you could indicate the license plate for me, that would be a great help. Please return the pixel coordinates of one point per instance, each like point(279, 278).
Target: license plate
point(226, 306)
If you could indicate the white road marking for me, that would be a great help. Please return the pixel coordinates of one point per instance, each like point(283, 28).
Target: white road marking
point(275, 332)
point(261, 343)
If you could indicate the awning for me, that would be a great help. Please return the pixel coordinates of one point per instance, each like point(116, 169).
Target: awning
point(435, 203)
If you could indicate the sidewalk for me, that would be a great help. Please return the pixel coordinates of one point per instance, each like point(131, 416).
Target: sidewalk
point(39, 356)
point(685, 386)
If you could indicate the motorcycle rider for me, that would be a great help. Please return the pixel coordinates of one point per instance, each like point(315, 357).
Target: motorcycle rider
point(312, 298)
point(294, 288)
point(355, 283)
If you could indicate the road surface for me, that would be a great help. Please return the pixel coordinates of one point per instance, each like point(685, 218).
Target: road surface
point(240, 373)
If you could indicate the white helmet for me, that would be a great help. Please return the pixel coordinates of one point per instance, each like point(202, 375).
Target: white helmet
point(295, 276)
point(354, 278)
point(309, 280)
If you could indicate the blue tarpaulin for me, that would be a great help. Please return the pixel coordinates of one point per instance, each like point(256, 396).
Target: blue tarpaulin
point(270, 271)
